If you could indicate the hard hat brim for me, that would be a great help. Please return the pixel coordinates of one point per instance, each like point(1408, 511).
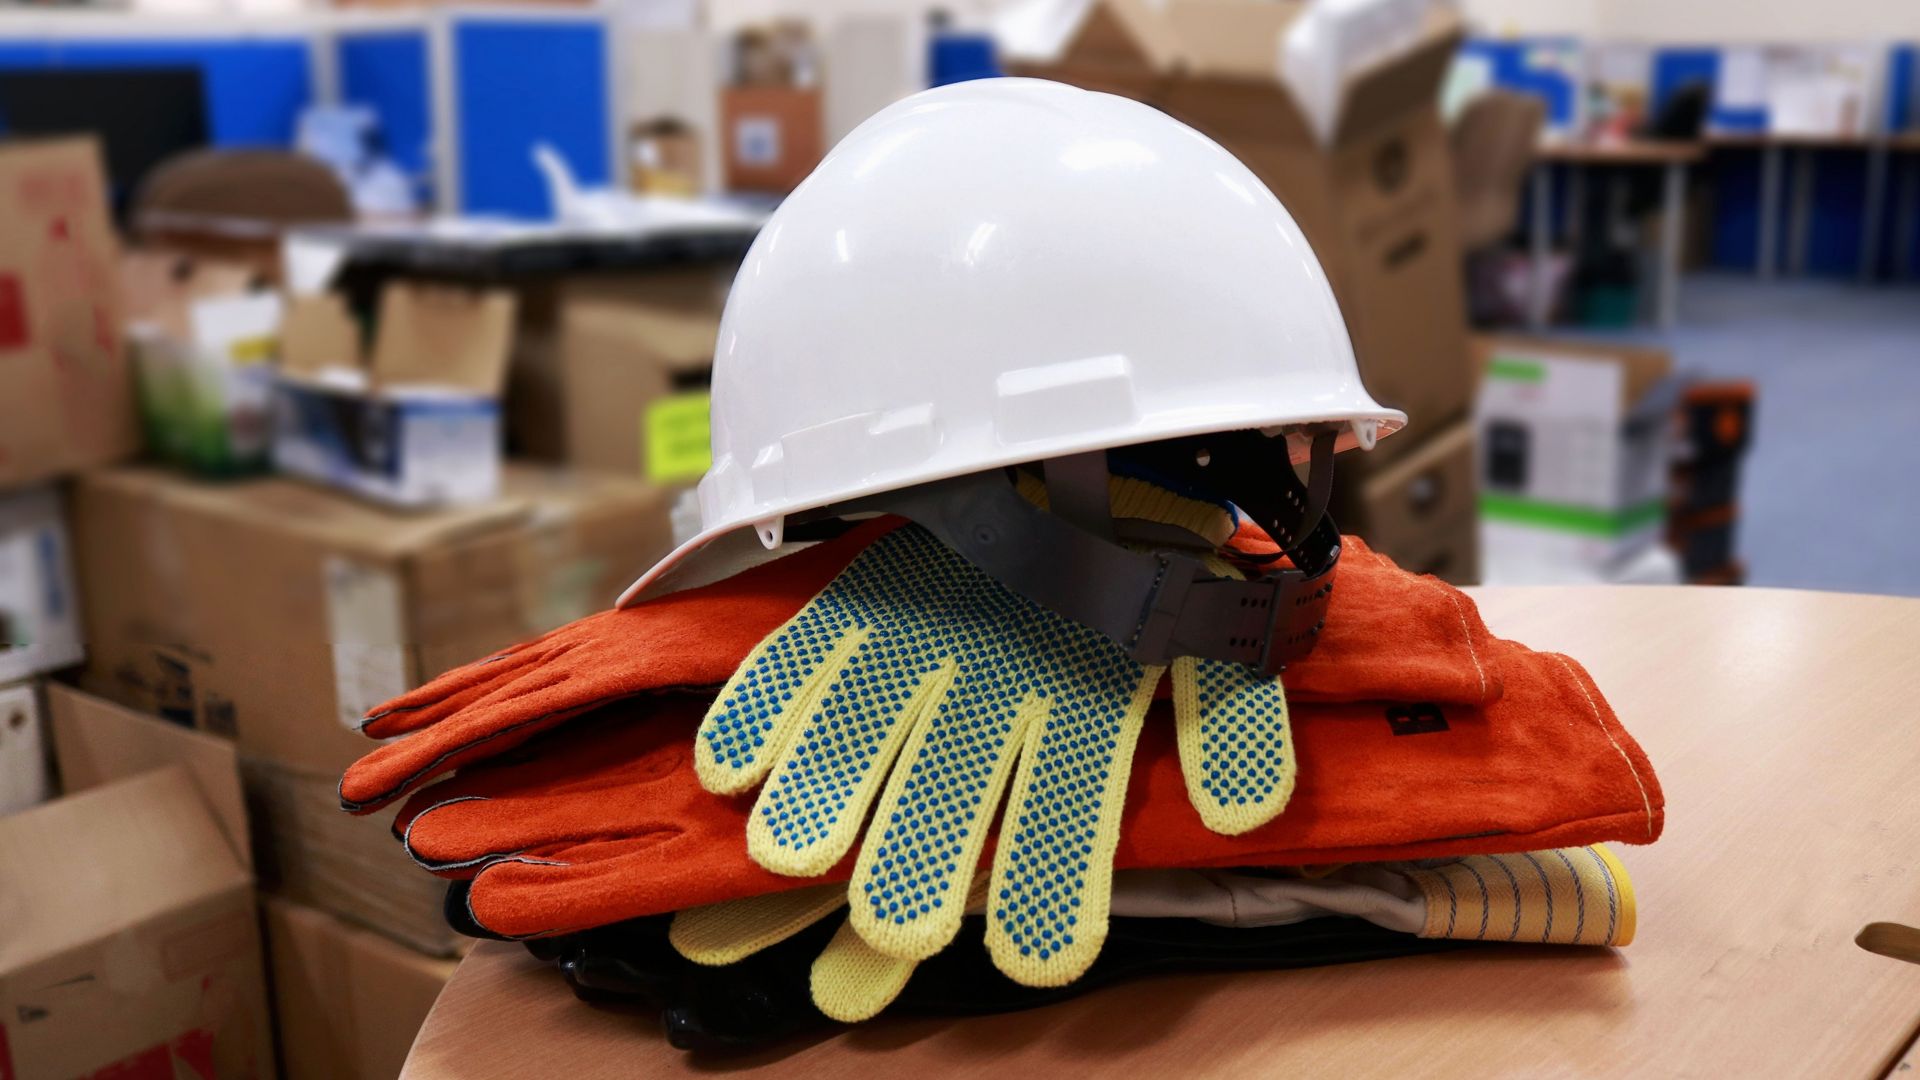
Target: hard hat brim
point(671, 573)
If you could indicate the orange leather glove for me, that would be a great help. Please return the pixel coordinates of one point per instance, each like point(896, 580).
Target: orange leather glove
point(1390, 636)
point(606, 820)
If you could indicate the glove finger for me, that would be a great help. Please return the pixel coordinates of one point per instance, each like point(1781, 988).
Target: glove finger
point(1053, 869)
point(524, 757)
point(450, 691)
point(879, 599)
point(732, 930)
point(565, 888)
point(598, 786)
point(809, 814)
point(1236, 743)
point(504, 717)
point(769, 697)
point(932, 821)
point(852, 981)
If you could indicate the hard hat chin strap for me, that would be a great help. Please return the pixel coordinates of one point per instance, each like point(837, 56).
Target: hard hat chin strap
point(1157, 604)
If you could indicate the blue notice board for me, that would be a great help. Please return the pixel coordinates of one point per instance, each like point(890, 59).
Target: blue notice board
point(255, 86)
point(522, 80)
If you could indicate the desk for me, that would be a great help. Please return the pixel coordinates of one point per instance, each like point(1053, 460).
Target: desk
point(1774, 148)
point(1671, 158)
point(1782, 724)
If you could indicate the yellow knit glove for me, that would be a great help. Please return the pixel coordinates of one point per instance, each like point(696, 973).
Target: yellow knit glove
point(851, 980)
point(916, 680)
point(914, 654)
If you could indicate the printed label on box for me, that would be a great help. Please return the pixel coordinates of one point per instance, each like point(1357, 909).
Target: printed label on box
point(365, 625)
point(756, 141)
point(676, 437)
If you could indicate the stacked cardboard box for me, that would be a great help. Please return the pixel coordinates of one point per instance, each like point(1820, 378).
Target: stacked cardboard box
point(1374, 195)
point(413, 420)
point(772, 115)
point(39, 609)
point(66, 403)
point(636, 356)
point(348, 1002)
point(1575, 439)
point(276, 614)
point(154, 967)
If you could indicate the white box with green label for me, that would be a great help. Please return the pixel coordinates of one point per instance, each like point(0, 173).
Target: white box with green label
point(1574, 448)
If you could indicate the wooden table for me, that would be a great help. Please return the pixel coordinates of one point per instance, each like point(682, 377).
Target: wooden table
point(1786, 730)
point(1671, 158)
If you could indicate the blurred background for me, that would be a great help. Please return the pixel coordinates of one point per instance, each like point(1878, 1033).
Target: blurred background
point(340, 344)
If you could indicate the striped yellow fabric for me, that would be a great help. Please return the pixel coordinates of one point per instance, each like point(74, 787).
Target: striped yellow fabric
point(1565, 896)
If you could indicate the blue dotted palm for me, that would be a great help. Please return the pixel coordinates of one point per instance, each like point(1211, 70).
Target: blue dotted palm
point(916, 682)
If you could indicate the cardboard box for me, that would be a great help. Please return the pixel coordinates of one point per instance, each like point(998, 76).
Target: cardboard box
point(98, 742)
point(132, 946)
point(1575, 444)
point(39, 608)
point(26, 774)
point(349, 1003)
point(310, 852)
point(535, 401)
point(772, 136)
point(1376, 201)
point(1422, 510)
point(415, 421)
point(637, 357)
point(66, 398)
point(277, 614)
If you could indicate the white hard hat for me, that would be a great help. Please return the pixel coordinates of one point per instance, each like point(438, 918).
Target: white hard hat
point(1007, 271)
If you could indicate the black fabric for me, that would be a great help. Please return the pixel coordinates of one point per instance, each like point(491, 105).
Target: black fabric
point(766, 997)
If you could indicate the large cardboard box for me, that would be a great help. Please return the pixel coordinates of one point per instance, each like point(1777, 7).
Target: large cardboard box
point(1575, 451)
point(39, 607)
point(348, 1002)
point(637, 358)
point(277, 614)
point(66, 399)
point(1375, 200)
point(131, 944)
point(1422, 511)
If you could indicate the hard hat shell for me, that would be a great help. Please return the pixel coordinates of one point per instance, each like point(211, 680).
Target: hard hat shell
point(1005, 271)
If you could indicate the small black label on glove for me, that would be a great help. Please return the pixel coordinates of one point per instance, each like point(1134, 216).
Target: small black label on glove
point(1422, 718)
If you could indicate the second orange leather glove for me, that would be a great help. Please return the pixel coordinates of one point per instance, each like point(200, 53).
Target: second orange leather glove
point(606, 820)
